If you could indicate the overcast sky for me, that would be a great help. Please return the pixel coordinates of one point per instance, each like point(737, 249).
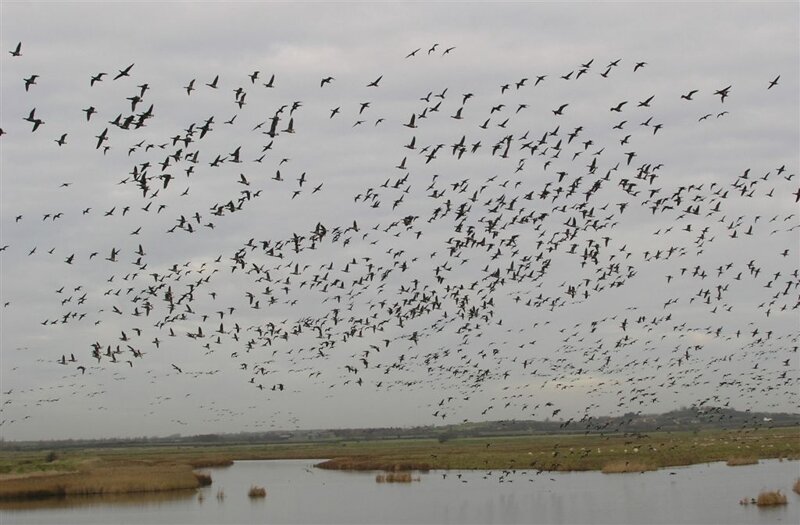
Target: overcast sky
point(550, 264)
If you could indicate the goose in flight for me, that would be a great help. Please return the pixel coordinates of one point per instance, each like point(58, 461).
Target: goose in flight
point(723, 93)
point(124, 72)
point(618, 107)
point(97, 78)
point(689, 95)
point(30, 81)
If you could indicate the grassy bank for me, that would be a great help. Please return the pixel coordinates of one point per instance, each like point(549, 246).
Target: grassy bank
point(571, 453)
point(136, 469)
point(100, 479)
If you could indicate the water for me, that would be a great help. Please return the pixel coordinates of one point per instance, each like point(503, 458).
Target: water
point(299, 493)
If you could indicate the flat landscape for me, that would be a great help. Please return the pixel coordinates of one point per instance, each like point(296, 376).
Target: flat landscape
point(399, 255)
point(41, 473)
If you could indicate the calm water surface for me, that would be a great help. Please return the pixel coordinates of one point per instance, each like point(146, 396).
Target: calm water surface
point(299, 493)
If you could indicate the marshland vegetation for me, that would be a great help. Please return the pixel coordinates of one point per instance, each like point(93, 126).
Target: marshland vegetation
point(39, 473)
point(97, 478)
point(257, 492)
point(769, 498)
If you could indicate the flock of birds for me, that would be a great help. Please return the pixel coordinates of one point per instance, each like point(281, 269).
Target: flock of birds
point(498, 257)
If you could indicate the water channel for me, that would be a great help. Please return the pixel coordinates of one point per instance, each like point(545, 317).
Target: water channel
point(299, 493)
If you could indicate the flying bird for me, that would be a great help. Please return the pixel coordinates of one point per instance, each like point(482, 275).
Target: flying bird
point(124, 72)
point(723, 93)
point(689, 95)
point(30, 81)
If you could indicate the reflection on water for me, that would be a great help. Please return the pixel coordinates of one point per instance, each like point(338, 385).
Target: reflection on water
point(299, 493)
point(137, 499)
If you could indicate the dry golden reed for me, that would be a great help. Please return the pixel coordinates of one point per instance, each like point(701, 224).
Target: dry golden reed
point(771, 497)
point(210, 462)
point(257, 492)
point(203, 478)
point(102, 480)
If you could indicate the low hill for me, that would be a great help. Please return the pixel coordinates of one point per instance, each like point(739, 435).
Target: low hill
point(685, 419)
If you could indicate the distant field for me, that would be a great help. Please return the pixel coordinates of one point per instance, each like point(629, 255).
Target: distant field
point(616, 453)
point(576, 452)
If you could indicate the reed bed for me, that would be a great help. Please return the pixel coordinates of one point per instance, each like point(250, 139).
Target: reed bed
point(257, 492)
point(210, 462)
point(621, 467)
point(203, 478)
point(576, 452)
point(770, 498)
point(740, 461)
point(102, 480)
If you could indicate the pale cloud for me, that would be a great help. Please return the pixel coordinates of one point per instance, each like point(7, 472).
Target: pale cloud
point(705, 47)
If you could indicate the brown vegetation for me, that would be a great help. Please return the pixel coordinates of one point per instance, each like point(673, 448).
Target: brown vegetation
point(739, 461)
point(770, 498)
point(101, 480)
point(562, 452)
point(36, 473)
point(620, 466)
point(257, 492)
point(796, 486)
point(210, 462)
point(203, 478)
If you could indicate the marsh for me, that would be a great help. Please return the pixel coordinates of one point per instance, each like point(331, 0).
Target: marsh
point(299, 493)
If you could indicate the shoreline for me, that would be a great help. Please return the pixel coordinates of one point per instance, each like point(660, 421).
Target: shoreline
point(22, 501)
point(28, 475)
point(103, 480)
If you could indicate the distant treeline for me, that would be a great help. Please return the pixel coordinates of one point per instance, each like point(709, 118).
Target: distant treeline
point(685, 419)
